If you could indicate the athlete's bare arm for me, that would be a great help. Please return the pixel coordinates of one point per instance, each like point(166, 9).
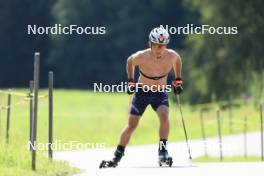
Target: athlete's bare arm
point(177, 64)
point(132, 62)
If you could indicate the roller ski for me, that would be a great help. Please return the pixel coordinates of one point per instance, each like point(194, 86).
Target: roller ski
point(165, 159)
point(114, 162)
point(107, 164)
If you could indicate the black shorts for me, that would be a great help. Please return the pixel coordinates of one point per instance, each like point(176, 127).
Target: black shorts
point(142, 99)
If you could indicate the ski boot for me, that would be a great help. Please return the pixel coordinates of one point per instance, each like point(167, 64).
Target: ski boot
point(164, 158)
point(112, 163)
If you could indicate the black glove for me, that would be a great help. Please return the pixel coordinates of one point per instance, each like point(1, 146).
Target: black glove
point(131, 86)
point(177, 86)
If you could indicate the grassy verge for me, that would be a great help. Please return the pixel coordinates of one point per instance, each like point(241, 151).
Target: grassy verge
point(16, 160)
point(87, 117)
point(228, 159)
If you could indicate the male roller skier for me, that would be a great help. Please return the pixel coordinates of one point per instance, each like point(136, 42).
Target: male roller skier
point(154, 65)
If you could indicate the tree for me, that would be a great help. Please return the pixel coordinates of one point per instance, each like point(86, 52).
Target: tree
point(224, 64)
point(80, 60)
point(17, 47)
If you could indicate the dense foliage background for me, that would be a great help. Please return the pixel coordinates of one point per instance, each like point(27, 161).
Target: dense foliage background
point(215, 66)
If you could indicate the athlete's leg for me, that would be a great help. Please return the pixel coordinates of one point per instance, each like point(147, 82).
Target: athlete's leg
point(129, 129)
point(163, 114)
point(124, 139)
point(137, 108)
point(161, 105)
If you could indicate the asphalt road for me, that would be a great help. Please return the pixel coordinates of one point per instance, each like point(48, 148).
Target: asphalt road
point(143, 160)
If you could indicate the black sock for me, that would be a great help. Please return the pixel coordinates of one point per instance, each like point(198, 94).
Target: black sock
point(120, 148)
point(163, 144)
point(119, 152)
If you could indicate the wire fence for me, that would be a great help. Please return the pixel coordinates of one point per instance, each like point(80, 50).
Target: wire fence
point(230, 121)
point(30, 99)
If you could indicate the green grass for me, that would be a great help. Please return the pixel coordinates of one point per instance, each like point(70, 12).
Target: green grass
point(99, 117)
point(228, 159)
point(87, 117)
point(16, 160)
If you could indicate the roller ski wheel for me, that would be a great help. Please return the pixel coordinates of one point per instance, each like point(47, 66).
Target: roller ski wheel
point(167, 162)
point(107, 164)
point(165, 159)
point(114, 162)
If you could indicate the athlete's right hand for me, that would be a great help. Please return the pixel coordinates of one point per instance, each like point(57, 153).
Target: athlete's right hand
point(131, 86)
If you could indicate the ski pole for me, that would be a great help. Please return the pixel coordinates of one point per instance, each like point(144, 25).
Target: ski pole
point(184, 128)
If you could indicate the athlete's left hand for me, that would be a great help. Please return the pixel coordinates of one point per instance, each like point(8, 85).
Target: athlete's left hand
point(177, 86)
